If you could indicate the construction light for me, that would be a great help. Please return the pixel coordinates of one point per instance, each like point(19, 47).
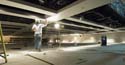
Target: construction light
point(57, 26)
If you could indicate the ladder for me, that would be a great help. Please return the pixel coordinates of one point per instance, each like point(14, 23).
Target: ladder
point(3, 54)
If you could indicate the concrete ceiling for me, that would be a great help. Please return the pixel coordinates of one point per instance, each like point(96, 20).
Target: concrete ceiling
point(18, 13)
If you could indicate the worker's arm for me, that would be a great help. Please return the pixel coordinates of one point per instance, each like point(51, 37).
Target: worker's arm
point(46, 22)
point(33, 28)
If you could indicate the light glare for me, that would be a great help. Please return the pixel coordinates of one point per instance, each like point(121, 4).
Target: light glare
point(57, 26)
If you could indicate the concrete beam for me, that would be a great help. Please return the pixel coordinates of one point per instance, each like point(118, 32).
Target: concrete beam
point(13, 23)
point(89, 23)
point(83, 27)
point(18, 15)
point(25, 7)
point(50, 28)
point(82, 6)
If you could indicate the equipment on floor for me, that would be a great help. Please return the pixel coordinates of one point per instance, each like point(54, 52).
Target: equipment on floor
point(104, 40)
point(3, 54)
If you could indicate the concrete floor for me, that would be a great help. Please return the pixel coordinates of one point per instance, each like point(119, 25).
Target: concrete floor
point(78, 55)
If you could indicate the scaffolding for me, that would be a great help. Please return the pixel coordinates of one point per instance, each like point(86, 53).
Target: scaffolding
point(3, 54)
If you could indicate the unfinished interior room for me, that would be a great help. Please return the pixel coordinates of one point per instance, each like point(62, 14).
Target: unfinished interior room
point(62, 32)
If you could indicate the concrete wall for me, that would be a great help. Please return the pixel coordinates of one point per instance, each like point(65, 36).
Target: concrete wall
point(78, 38)
point(118, 37)
point(17, 39)
point(6, 38)
point(81, 38)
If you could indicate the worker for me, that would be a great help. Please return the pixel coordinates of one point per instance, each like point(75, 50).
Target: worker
point(37, 28)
